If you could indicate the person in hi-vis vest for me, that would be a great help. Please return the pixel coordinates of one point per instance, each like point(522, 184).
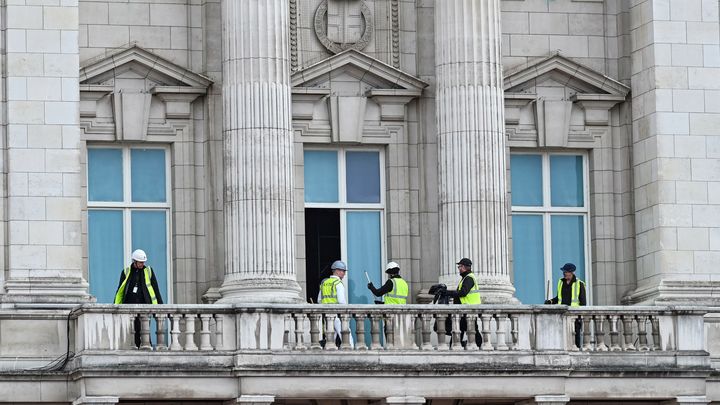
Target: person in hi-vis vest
point(395, 288)
point(467, 293)
point(332, 291)
point(138, 285)
point(571, 292)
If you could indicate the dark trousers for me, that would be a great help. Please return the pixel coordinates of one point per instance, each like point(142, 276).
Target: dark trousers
point(137, 331)
point(463, 330)
point(578, 333)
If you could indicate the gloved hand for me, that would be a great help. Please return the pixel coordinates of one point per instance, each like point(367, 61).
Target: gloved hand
point(370, 286)
point(548, 302)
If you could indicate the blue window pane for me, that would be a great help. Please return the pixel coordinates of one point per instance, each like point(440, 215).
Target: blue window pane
point(566, 181)
point(105, 175)
point(528, 258)
point(363, 254)
point(526, 180)
point(321, 176)
point(148, 175)
point(149, 233)
point(568, 244)
point(363, 177)
point(105, 248)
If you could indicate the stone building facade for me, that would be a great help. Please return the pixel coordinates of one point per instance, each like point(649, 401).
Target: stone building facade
point(245, 144)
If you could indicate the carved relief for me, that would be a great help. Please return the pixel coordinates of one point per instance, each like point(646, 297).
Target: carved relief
point(341, 39)
point(395, 34)
point(293, 36)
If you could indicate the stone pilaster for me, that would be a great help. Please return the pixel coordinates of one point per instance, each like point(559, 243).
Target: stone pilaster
point(257, 135)
point(41, 164)
point(471, 144)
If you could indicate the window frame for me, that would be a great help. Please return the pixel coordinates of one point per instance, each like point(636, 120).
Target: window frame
point(547, 211)
point(345, 206)
point(127, 206)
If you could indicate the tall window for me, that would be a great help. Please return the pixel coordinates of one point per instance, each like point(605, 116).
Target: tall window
point(549, 221)
point(128, 209)
point(344, 204)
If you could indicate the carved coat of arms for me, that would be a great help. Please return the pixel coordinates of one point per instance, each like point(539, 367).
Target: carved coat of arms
point(344, 24)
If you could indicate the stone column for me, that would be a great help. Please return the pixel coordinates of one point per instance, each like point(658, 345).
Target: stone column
point(471, 144)
point(42, 206)
point(257, 136)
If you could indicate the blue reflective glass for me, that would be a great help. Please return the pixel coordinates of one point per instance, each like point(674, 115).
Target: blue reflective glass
point(568, 244)
point(105, 253)
point(529, 259)
point(363, 255)
point(566, 181)
point(105, 174)
point(363, 177)
point(526, 180)
point(149, 233)
point(147, 168)
point(321, 176)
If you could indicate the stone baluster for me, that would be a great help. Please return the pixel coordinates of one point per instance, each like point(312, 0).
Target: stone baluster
point(375, 331)
point(455, 332)
point(627, 321)
point(614, 334)
point(427, 320)
point(642, 333)
point(600, 333)
point(175, 332)
point(258, 153)
point(655, 322)
point(501, 320)
point(345, 332)
point(471, 143)
point(190, 332)
point(299, 320)
point(471, 322)
point(145, 343)
point(286, 332)
point(205, 332)
point(315, 327)
point(486, 344)
point(440, 330)
point(587, 343)
point(160, 332)
point(515, 332)
point(219, 341)
point(390, 331)
point(330, 332)
point(360, 331)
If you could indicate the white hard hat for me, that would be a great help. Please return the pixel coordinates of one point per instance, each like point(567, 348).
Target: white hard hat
point(392, 265)
point(338, 265)
point(139, 255)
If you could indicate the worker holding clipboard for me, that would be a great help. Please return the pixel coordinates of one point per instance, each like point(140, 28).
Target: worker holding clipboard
point(395, 290)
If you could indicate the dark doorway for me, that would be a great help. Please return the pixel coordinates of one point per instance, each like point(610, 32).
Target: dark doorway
point(322, 246)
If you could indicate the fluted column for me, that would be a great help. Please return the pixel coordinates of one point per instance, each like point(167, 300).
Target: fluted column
point(257, 134)
point(471, 144)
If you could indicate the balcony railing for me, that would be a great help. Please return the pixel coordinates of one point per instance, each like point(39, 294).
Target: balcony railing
point(301, 328)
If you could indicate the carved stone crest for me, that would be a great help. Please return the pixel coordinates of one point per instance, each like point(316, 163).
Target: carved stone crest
point(342, 42)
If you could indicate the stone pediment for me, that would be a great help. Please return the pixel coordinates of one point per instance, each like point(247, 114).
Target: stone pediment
point(139, 62)
point(378, 77)
point(564, 71)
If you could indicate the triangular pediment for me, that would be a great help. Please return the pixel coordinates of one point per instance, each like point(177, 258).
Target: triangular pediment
point(559, 70)
point(136, 62)
point(355, 65)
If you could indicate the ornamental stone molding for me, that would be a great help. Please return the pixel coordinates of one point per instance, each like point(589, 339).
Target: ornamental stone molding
point(321, 29)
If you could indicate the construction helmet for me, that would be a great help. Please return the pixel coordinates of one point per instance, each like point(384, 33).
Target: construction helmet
point(139, 255)
point(392, 267)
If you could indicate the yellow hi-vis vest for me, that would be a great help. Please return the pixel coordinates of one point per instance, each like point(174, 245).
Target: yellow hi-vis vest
point(399, 293)
point(120, 295)
point(473, 297)
point(575, 297)
point(328, 291)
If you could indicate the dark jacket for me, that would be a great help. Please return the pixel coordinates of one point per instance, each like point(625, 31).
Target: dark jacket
point(136, 278)
point(386, 288)
point(567, 293)
point(465, 288)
